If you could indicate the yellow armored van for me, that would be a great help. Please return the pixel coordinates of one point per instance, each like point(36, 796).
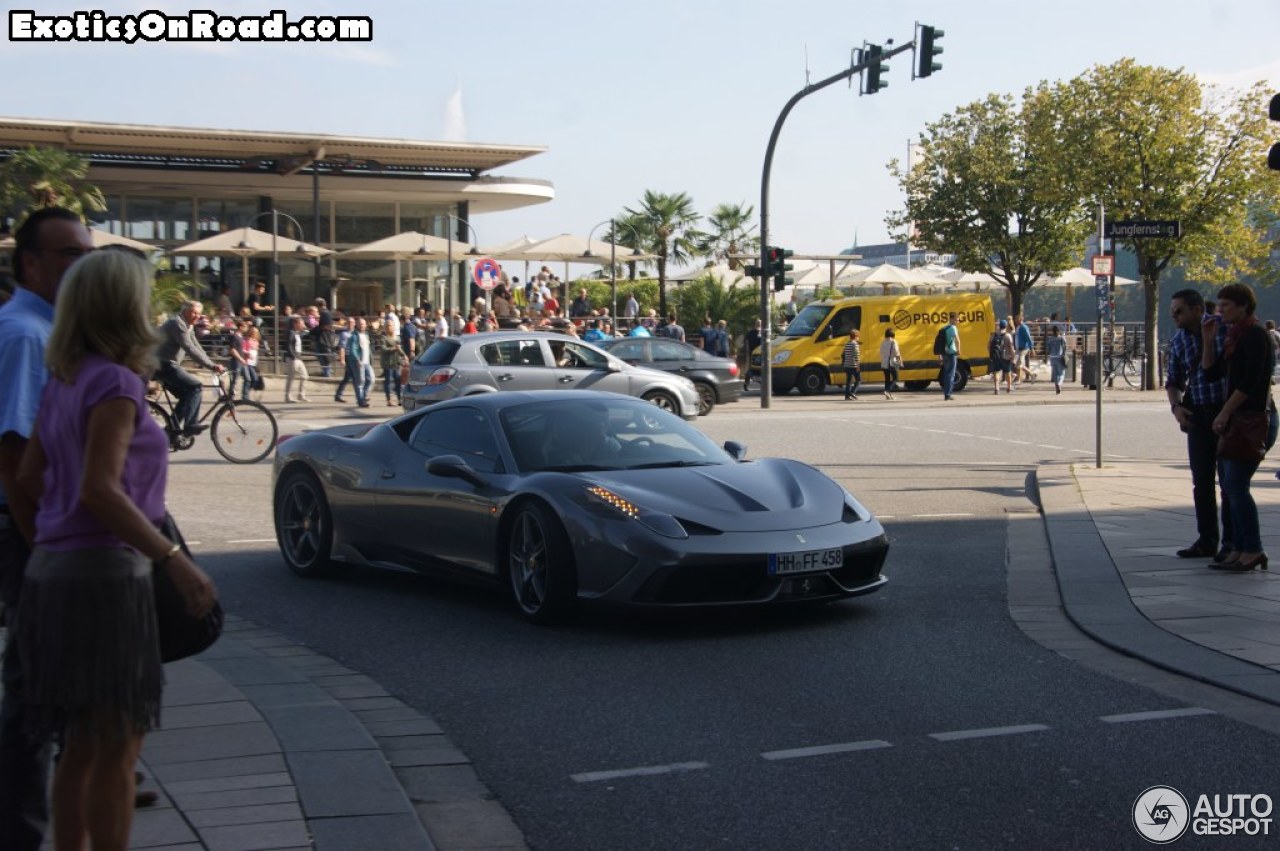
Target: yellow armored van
point(807, 354)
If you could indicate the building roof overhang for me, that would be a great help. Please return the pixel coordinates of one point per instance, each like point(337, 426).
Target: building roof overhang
point(283, 153)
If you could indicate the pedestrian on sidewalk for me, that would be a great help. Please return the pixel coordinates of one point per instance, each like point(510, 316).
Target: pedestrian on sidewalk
point(90, 494)
point(1055, 349)
point(1002, 354)
point(1248, 361)
point(1024, 347)
point(46, 245)
point(295, 368)
point(851, 360)
point(890, 362)
point(359, 354)
point(392, 359)
point(947, 346)
point(1196, 399)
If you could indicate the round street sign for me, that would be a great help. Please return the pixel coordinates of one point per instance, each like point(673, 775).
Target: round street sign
point(486, 273)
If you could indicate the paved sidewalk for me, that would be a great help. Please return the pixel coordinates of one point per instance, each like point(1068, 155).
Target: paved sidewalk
point(268, 745)
point(1113, 533)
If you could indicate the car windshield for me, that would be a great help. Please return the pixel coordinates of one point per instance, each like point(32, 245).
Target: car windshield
point(807, 321)
point(603, 434)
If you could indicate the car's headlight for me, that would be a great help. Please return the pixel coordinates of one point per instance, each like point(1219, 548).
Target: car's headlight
point(782, 357)
point(663, 524)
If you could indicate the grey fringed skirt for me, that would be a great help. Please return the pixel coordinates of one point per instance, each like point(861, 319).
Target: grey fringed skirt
point(86, 630)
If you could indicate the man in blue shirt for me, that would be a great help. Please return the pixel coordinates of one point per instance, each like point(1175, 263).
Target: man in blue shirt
point(46, 245)
point(594, 334)
point(1023, 346)
point(949, 356)
point(1195, 402)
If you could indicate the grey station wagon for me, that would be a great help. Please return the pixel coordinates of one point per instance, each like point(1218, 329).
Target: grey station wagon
point(536, 360)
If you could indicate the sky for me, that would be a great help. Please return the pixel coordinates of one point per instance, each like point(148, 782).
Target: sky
point(665, 95)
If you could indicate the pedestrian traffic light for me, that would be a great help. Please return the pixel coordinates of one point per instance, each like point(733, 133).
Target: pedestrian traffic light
point(875, 69)
point(926, 49)
point(1273, 156)
point(777, 267)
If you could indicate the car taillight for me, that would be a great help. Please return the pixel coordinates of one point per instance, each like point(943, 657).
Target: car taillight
point(733, 370)
point(441, 376)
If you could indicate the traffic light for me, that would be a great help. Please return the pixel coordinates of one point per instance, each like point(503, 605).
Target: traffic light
point(778, 267)
point(927, 49)
point(1273, 156)
point(752, 271)
point(875, 68)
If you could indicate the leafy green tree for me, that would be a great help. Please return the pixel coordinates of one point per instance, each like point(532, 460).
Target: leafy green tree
point(665, 226)
point(737, 304)
point(33, 178)
point(989, 187)
point(730, 231)
point(1154, 143)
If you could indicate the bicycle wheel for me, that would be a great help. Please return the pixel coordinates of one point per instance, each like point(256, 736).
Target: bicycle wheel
point(243, 432)
point(1132, 374)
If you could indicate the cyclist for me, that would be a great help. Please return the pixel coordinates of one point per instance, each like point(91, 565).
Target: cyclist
point(178, 337)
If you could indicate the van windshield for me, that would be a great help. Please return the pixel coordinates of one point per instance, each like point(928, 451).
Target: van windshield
point(807, 321)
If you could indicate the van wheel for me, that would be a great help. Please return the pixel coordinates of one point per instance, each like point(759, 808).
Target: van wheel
point(811, 381)
point(961, 380)
point(915, 386)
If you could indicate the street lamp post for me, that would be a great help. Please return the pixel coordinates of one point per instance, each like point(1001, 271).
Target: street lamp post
point(613, 267)
point(275, 274)
point(474, 252)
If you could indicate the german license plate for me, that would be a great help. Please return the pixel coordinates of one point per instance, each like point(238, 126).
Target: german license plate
point(781, 564)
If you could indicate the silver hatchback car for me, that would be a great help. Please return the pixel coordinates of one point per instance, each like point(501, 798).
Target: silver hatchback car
point(536, 360)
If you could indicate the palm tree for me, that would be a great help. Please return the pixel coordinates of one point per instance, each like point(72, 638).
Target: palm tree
point(47, 177)
point(665, 228)
point(709, 296)
point(731, 232)
point(627, 230)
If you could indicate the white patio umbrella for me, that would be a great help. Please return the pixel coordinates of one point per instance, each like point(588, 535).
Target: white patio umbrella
point(248, 242)
point(101, 239)
point(934, 273)
point(885, 275)
point(1077, 277)
point(409, 245)
point(976, 281)
point(571, 248)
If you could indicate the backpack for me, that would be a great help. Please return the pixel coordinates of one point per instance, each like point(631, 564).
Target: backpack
point(995, 347)
point(940, 341)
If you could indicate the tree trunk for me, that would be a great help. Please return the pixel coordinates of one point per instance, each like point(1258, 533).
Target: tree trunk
point(662, 286)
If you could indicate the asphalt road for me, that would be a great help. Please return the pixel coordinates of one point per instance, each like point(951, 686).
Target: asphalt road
point(916, 717)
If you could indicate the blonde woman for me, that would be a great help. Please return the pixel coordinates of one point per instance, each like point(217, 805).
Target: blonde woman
point(90, 493)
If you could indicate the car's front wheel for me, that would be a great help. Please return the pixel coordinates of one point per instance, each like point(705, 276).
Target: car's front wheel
point(540, 570)
point(304, 524)
point(663, 400)
point(706, 397)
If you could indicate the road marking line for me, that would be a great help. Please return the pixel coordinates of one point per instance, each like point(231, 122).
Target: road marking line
point(1155, 715)
point(957, 735)
point(1047, 446)
point(820, 750)
point(644, 771)
point(253, 541)
point(955, 514)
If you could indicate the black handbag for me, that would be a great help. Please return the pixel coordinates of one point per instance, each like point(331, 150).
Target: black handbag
point(180, 634)
point(1245, 438)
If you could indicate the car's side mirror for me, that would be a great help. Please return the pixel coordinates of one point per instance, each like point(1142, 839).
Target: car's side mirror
point(453, 467)
point(614, 366)
point(736, 450)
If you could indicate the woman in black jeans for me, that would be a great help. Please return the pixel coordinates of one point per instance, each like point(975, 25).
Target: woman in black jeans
point(1250, 360)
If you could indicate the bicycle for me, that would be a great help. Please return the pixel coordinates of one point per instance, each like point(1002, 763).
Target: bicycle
point(1126, 363)
point(243, 432)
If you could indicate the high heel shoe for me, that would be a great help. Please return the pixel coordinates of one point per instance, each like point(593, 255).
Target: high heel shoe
point(1242, 566)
